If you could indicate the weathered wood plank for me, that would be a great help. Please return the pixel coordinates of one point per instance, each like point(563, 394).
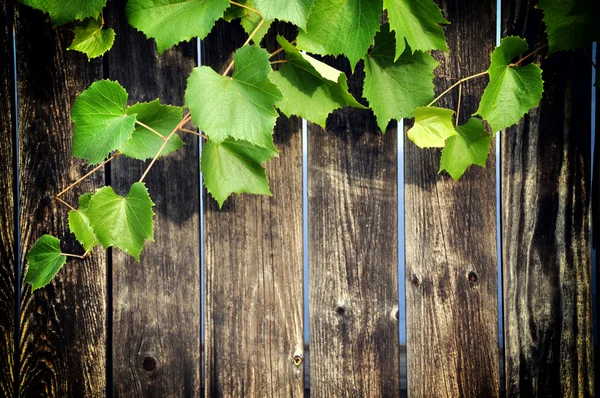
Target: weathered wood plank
point(353, 276)
point(156, 302)
point(254, 324)
point(546, 225)
point(8, 237)
point(63, 326)
point(451, 267)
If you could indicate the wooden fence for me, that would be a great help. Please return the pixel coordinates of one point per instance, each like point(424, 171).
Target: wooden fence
point(111, 326)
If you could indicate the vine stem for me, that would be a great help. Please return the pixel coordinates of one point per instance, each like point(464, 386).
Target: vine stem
point(458, 83)
point(262, 21)
point(193, 132)
point(280, 49)
point(95, 169)
point(151, 129)
point(183, 121)
point(529, 55)
point(281, 61)
point(458, 107)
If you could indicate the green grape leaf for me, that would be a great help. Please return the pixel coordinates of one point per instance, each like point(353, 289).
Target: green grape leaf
point(79, 224)
point(170, 22)
point(570, 24)
point(240, 106)
point(512, 90)
point(234, 167)
point(432, 127)
point(144, 144)
point(395, 88)
point(470, 146)
point(123, 222)
point(101, 121)
point(63, 11)
point(249, 19)
point(311, 89)
point(45, 260)
point(416, 22)
point(337, 27)
point(294, 11)
point(91, 39)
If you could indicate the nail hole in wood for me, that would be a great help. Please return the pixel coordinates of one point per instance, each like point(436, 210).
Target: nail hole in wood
point(149, 364)
point(297, 360)
point(472, 278)
point(415, 281)
point(340, 310)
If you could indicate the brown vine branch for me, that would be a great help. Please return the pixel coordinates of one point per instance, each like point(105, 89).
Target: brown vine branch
point(529, 55)
point(183, 121)
point(262, 21)
point(458, 83)
point(282, 61)
point(193, 132)
point(162, 137)
point(95, 169)
point(458, 107)
point(280, 49)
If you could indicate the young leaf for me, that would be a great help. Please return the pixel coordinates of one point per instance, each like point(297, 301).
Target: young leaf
point(416, 22)
point(144, 144)
point(241, 106)
point(79, 224)
point(62, 11)
point(294, 11)
point(432, 127)
point(234, 167)
point(470, 146)
point(45, 261)
point(249, 19)
point(123, 222)
point(91, 39)
point(395, 88)
point(311, 89)
point(570, 24)
point(337, 27)
point(172, 21)
point(512, 90)
point(101, 121)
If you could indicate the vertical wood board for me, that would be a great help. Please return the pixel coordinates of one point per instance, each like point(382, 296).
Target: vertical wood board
point(450, 227)
point(546, 226)
point(353, 274)
point(63, 326)
point(254, 324)
point(156, 302)
point(8, 237)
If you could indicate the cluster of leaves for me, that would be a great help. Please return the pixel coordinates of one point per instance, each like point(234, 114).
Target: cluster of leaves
point(237, 113)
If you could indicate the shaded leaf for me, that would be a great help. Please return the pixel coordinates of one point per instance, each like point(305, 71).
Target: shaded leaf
point(62, 11)
point(144, 144)
point(91, 39)
point(123, 222)
point(45, 261)
point(294, 11)
point(234, 167)
point(79, 224)
point(470, 146)
point(311, 89)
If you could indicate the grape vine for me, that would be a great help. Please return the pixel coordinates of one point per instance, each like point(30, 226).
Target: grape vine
point(236, 113)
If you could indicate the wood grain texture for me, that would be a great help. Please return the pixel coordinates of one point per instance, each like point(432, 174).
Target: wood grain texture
point(156, 302)
point(546, 226)
point(8, 220)
point(353, 269)
point(63, 326)
point(452, 321)
point(253, 261)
